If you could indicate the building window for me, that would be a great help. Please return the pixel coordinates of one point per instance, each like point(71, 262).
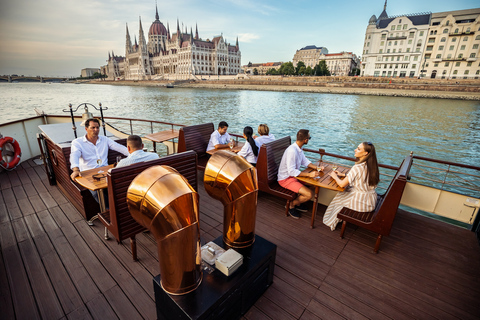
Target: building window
point(388, 50)
point(468, 30)
point(399, 27)
point(472, 55)
point(415, 58)
point(443, 39)
point(469, 64)
point(449, 56)
point(456, 31)
point(394, 50)
point(460, 55)
point(454, 39)
point(410, 41)
point(395, 43)
point(457, 64)
point(414, 66)
point(382, 43)
point(386, 58)
point(435, 64)
point(368, 44)
point(462, 47)
point(431, 40)
point(398, 58)
point(445, 30)
point(419, 43)
point(383, 36)
point(393, 28)
point(408, 49)
point(438, 56)
point(406, 58)
point(429, 48)
point(447, 23)
point(381, 51)
point(451, 48)
point(440, 47)
point(477, 37)
point(389, 43)
point(455, 71)
point(465, 38)
point(405, 26)
point(475, 46)
point(421, 34)
point(447, 64)
point(411, 34)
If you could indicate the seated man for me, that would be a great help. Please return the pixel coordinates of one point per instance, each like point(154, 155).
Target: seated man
point(91, 150)
point(293, 158)
point(220, 138)
point(135, 148)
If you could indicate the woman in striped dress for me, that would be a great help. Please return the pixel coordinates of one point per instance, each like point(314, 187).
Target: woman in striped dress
point(360, 183)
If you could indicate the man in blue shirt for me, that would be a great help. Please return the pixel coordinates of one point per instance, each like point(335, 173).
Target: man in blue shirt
point(135, 148)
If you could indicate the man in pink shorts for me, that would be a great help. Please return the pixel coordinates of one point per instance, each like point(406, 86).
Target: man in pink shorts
point(293, 158)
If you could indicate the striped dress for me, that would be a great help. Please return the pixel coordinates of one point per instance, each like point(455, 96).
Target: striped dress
point(358, 196)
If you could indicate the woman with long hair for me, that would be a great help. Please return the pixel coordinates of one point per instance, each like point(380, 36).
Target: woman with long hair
point(250, 149)
point(360, 183)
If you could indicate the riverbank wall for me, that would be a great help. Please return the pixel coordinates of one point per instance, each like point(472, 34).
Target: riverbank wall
point(396, 87)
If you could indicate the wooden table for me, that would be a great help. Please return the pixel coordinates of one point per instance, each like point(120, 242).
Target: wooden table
point(85, 179)
point(162, 136)
point(324, 181)
point(236, 148)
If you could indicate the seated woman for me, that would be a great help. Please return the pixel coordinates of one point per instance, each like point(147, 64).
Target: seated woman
point(361, 180)
point(250, 149)
point(264, 137)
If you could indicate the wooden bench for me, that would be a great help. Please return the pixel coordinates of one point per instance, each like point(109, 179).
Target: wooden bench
point(59, 157)
point(118, 219)
point(196, 138)
point(381, 219)
point(268, 161)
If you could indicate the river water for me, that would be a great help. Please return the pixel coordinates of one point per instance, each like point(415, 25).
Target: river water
point(436, 128)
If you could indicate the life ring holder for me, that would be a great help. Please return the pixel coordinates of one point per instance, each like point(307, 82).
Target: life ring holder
point(17, 153)
point(54, 158)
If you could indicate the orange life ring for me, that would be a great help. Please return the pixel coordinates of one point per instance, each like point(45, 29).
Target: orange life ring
point(17, 153)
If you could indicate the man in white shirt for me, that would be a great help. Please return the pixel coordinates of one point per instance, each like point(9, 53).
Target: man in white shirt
point(293, 158)
point(219, 138)
point(135, 148)
point(91, 150)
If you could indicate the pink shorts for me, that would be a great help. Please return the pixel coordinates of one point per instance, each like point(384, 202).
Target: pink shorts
point(291, 183)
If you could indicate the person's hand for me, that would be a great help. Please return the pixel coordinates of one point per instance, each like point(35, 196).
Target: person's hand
point(74, 174)
point(333, 174)
point(313, 174)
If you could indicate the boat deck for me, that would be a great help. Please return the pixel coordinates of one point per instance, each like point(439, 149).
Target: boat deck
point(54, 266)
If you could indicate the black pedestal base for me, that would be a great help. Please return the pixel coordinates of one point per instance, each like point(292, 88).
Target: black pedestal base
point(219, 296)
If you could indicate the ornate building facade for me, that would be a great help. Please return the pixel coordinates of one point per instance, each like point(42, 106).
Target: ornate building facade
point(339, 64)
point(181, 55)
point(434, 45)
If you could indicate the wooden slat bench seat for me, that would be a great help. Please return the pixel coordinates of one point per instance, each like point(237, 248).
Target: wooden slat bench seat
point(381, 219)
point(196, 138)
point(118, 219)
point(268, 161)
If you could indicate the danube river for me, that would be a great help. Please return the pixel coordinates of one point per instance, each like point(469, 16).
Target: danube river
point(437, 128)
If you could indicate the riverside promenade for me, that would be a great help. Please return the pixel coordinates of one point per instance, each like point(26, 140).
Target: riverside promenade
point(395, 87)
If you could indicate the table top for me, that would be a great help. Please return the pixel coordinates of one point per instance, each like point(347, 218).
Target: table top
point(86, 178)
point(237, 147)
point(162, 135)
point(325, 180)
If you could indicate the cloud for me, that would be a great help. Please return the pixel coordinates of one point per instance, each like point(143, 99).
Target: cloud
point(247, 37)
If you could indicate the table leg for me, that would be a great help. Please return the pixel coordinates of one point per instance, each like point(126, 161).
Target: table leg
point(154, 146)
point(90, 222)
point(315, 204)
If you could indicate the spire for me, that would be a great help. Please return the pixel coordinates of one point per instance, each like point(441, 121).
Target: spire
point(156, 13)
point(113, 54)
point(196, 31)
point(236, 45)
point(109, 58)
point(178, 29)
point(385, 6)
point(141, 37)
point(384, 14)
point(191, 36)
point(128, 42)
point(168, 31)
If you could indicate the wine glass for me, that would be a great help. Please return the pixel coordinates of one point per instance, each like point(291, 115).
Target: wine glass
point(334, 168)
point(319, 169)
point(231, 143)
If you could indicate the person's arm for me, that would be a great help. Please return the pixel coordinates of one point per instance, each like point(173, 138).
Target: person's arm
point(219, 145)
point(75, 154)
point(348, 177)
point(292, 168)
point(246, 149)
point(117, 147)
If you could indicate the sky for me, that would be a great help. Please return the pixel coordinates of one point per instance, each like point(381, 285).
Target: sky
point(61, 37)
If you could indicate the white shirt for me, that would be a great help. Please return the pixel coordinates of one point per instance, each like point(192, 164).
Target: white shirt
point(86, 155)
point(293, 158)
point(264, 139)
point(217, 138)
point(247, 152)
point(137, 156)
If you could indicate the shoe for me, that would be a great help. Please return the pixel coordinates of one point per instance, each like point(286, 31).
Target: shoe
point(302, 207)
point(293, 213)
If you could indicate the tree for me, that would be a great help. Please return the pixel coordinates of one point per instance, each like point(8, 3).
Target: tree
point(249, 64)
point(272, 71)
point(300, 65)
point(255, 71)
point(308, 71)
point(287, 68)
point(321, 69)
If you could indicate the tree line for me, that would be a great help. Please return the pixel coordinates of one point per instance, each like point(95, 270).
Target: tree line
point(289, 69)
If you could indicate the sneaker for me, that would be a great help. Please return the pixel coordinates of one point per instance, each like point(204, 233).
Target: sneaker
point(293, 213)
point(302, 207)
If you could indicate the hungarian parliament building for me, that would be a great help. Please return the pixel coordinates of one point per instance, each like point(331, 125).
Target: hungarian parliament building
point(178, 56)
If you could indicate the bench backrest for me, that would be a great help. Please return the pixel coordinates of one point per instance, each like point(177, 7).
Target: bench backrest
point(195, 138)
point(268, 161)
point(123, 226)
point(388, 203)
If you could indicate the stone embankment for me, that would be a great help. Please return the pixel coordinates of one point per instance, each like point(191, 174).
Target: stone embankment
point(398, 87)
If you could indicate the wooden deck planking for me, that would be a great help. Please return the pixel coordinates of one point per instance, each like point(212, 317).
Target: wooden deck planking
point(419, 272)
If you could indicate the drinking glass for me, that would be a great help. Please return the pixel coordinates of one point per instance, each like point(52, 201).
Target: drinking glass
point(319, 169)
point(334, 167)
point(119, 158)
point(231, 143)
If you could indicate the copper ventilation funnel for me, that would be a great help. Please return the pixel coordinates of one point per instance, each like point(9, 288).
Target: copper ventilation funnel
point(161, 200)
point(232, 180)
